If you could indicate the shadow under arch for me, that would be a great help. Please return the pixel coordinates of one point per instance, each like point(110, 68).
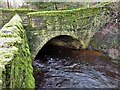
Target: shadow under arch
point(43, 53)
point(63, 41)
point(51, 73)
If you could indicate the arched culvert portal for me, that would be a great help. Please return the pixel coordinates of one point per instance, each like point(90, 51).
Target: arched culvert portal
point(62, 67)
point(63, 41)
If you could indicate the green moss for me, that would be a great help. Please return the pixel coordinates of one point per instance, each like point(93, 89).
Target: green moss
point(19, 67)
point(22, 10)
point(8, 35)
point(16, 58)
point(82, 11)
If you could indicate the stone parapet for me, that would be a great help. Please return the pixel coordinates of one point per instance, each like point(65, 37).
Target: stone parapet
point(15, 62)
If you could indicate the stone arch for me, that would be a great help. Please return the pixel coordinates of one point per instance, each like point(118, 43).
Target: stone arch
point(39, 47)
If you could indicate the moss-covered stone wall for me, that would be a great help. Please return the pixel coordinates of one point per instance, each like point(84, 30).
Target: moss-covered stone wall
point(81, 23)
point(15, 62)
point(7, 14)
point(41, 26)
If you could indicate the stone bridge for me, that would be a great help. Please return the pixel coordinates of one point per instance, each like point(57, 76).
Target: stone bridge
point(40, 27)
point(81, 23)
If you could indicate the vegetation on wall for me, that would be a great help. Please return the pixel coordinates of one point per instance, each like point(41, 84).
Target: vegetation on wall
point(83, 23)
point(17, 72)
point(60, 5)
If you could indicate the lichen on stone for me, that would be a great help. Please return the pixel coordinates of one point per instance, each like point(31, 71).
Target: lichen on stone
point(15, 56)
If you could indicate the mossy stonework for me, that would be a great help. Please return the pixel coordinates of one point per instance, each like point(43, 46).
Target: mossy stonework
point(81, 23)
point(7, 14)
point(40, 27)
point(15, 62)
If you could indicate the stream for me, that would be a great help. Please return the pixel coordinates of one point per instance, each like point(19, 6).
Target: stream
point(60, 67)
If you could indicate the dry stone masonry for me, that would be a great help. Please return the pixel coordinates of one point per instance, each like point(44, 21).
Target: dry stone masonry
point(15, 62)
point(37, 28)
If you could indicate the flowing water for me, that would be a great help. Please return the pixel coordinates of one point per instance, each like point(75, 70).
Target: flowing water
point(60, 67)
